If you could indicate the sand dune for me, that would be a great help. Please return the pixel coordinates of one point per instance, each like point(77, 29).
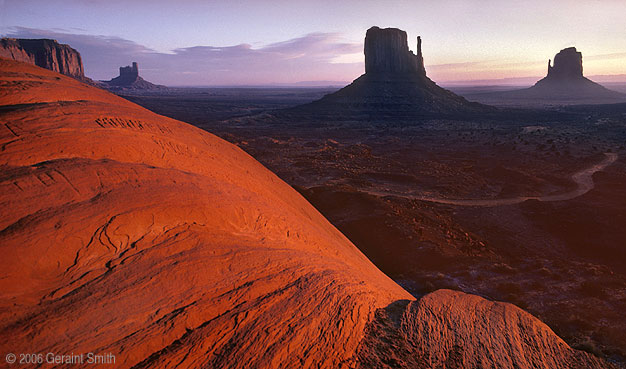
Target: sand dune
point(129, 233)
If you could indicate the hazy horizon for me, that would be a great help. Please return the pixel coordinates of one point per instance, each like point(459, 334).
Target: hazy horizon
point(194, 43)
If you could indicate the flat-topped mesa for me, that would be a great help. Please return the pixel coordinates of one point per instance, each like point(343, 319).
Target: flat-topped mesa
point(568, 64)
point(387, 51)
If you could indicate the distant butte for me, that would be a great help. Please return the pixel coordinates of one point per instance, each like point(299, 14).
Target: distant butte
point(394, 84)
point(564, 84)
point(565, 78)
point(129, 79)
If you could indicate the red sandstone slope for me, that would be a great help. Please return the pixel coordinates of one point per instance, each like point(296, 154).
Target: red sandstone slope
point(127, 232)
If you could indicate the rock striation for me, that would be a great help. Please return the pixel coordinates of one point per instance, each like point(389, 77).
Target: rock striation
point(45, 53)
point(129, 79)
point(130, 234)
point(395, 84)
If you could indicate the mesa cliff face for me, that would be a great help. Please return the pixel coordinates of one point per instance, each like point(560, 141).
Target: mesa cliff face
point(394, 84)
point(129, 233)
point(44, 53)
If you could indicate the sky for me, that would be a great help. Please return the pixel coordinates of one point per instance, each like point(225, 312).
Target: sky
point(256, 42)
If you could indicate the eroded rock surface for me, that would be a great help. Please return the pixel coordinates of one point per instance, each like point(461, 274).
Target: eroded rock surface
point(127, 232)
point(565, 79)
point(451, 329)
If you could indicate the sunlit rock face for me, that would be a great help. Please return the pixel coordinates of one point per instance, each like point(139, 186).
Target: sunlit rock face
point(126, 232)
point(129, 234)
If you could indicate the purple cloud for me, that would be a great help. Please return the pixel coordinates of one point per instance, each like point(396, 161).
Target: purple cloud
point(308, 58)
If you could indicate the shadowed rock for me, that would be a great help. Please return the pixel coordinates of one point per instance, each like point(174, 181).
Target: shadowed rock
point(387, 51)
point(568, 64)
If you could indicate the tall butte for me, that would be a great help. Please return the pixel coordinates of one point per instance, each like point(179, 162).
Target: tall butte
point(394, 84)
